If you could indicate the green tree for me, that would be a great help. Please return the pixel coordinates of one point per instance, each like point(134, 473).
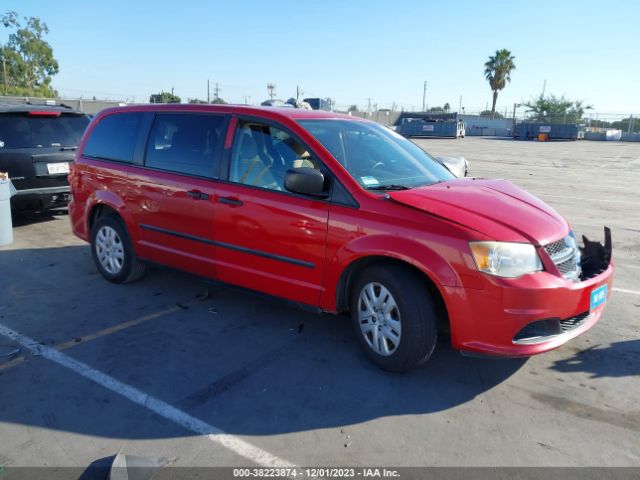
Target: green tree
point(28, 63)
point(489, 113)
point(197, 101)
point(497, 71)
point(552, 109)
point(625, 123)
point(218, 101)
point(164, 97)
point(352, 108)
point(447, 107)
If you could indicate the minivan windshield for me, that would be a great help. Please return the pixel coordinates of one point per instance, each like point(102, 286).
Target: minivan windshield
point(375, 156)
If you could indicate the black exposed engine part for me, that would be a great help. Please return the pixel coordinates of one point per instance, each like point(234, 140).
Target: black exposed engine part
point(595, 257)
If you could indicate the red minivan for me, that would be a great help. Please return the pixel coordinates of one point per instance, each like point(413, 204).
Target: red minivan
point(341, 214)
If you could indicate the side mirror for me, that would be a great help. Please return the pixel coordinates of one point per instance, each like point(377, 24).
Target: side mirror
point(305, 180)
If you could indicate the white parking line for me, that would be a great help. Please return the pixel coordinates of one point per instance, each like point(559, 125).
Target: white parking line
point(165, 410)
point(624, 290)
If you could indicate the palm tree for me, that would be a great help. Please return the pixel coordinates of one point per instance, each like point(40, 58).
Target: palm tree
point(497, 71)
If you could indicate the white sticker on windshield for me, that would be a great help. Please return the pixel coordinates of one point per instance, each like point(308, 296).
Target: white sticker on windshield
point(1, 144)
point(369, 181)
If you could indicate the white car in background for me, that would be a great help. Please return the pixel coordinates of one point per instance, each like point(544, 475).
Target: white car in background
point(456, 165)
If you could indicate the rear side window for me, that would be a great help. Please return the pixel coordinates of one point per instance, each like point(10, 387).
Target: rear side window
point(115, 137)
point(37, 130)
point(186, 143)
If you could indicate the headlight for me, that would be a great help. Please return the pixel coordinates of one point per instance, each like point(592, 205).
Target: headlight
point(505, 259)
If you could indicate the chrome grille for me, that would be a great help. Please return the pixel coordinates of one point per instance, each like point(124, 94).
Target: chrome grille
point(566, 257)
point(567, 266)
point(555, 247)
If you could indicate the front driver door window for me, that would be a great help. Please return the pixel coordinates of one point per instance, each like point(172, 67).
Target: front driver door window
point(262, 155)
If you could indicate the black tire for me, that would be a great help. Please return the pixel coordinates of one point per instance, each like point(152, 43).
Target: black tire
point(417, 314)
point(132, 269)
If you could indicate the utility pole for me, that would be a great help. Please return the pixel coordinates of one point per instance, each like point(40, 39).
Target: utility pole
point(630, 123)
point(460, 104)
point(272, 90)
point(246, 99)
point(216, 92)
point(515, 105)
point(369, 105)
point(208, 92)
point(297, 93)
point(424, 97)
point(544, 88)
point(4, 68)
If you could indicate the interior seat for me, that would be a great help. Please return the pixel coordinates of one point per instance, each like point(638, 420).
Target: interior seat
point(249, 168)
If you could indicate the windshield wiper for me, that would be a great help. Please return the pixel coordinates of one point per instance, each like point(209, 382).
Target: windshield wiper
point(389, 187)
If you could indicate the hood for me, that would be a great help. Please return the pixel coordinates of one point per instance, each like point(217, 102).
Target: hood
point(496, 208)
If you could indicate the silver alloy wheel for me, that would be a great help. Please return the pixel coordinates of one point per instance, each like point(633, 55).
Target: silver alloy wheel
point(109, 250)
point(379, 318)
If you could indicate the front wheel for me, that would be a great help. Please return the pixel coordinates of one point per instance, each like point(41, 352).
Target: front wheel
point(394, 317)
point(112, 251)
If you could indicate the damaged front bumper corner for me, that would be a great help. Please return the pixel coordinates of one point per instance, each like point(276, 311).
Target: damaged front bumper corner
point(594, 256)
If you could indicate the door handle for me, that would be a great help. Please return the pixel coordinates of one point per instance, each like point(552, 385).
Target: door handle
point(198, 195)
point(233, 201)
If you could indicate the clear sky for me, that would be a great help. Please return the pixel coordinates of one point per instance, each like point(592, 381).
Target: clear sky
point(350, 50)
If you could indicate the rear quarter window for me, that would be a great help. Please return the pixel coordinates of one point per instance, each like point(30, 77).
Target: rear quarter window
point(115, 137)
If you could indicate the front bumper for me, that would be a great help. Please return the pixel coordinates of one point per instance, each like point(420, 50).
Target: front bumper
point(488, 320)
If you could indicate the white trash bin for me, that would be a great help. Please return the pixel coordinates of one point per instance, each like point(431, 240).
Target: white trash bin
point(6, 228)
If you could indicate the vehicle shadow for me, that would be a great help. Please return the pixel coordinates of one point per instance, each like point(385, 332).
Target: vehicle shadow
point(23, 218)
point(619, 359)
point(496, 138)
point(242, 362)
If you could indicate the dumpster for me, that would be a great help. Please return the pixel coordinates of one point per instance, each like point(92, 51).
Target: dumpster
point(6, 227)
point(556, 131)
point(421, 128)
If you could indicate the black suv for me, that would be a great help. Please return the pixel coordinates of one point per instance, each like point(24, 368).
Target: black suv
point(37, 143)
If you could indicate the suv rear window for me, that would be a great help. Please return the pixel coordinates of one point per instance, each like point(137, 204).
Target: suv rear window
point(25, 130)
point(115, 137)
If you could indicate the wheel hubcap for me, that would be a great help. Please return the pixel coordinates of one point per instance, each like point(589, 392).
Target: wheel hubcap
point(109, 250)
point(379, 319)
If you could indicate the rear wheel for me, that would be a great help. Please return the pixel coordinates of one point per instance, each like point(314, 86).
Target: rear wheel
point(112, 251)
point(394, 317)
